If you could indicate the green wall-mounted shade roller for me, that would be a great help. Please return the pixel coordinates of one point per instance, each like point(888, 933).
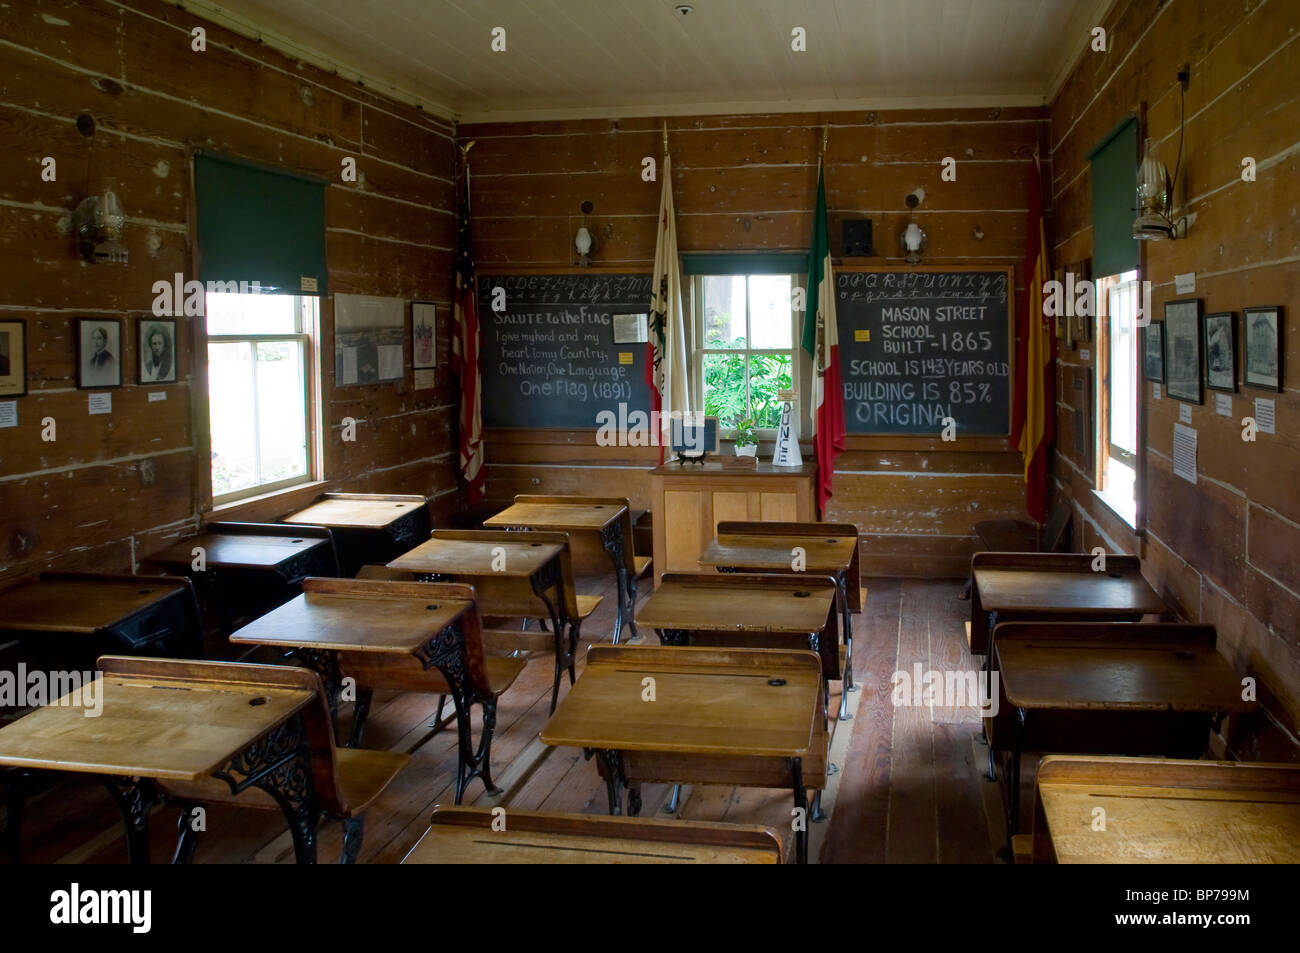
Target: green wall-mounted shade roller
point(795, 263)
point(260, 224)
point(1114, 197)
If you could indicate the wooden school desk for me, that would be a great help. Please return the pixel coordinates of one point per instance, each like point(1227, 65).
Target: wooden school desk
point(606, 520)
point(74, 617)
point(364, 616)
point(466, 836)
point(1114, 688)
point(1166, 812)
point(368, 527)
point(494, 562)
point(829, 549)
point(178, 728)
point(748, 611)
point(250, 567)
point(749, 717)
point(1011, 587)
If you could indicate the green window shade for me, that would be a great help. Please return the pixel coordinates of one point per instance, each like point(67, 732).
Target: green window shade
point(783, 264)
point(1114, 186)
point(260, 224)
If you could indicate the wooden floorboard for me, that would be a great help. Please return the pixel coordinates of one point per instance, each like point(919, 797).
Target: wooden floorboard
point(910, 789)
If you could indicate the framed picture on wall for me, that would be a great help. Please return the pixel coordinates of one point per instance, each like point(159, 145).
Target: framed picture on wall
point(424, 340)
point(1263, 347)
point(156, 342)
point(1221, 351)
point(13, 358)
point(1183, 350)
point(99, 353)
point(1153, 352)
point(1082, 323)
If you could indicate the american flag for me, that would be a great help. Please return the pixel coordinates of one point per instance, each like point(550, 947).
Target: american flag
point(465, 358)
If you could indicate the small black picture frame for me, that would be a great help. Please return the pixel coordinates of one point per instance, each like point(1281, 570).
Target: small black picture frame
point(1221, 351)
point(99, 353)
point(1153, 352)
point(156, 344)
point(1183, 376)
point(1262, 351)
point(13, 358)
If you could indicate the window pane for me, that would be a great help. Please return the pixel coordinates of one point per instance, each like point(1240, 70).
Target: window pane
point(724, 310)
point(1123, 366)
point(251, 314)
point(724, 387)
point(768, 373)
point(282, 411)
point(769, 311)
point(234, 425)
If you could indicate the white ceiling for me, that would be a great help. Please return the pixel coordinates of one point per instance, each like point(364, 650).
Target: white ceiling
point(589, 58)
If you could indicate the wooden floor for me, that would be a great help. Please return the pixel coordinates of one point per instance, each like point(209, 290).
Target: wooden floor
point(909, 790)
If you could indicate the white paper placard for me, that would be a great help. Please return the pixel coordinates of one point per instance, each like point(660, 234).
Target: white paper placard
point(1185, 413)
point(101, 403)
point(157, 395)
point(390, 361)
point(1223, 405)
point(8, 413)
point(424, 378)
point(1085, 354)
point(1185, 284)
point(1185, 452)
point(1265, 411)
point(1156, 391)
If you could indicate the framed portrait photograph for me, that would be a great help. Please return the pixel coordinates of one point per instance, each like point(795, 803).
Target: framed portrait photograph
point(1153, 352)
point(424, 341)
point(13, 358)
point(99, 353)
point(1183, 350)
point(1221, 351)
point(1263, 347)
point(156, 342)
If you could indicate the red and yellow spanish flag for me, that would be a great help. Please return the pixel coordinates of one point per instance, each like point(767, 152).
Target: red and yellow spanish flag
point(1033, 416)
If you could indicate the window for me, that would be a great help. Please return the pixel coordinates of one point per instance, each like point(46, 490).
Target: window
point(747, 332)
point(1117, 397)
point(263, 398)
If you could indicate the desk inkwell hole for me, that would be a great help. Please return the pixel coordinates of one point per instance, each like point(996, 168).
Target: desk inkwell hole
point(534, 544)
point(1114, 575)
point(1183, 654)
point(259, 700)
point(832, 540)
point(802, 594)
point(433, 606)
point(295, 541)
point(776, 682)
point(143, 592)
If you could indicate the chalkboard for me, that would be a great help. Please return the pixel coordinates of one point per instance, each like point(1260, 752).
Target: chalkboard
point(549, 359)
point(919, 346)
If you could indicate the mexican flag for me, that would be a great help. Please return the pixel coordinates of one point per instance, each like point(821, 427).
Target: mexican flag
point(821, 340)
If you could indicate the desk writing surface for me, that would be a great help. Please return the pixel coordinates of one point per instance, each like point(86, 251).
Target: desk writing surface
point(821, 553)
point(237, 550)
point(1117, 676)
point(351, 622)
point(562, 517)
point(1078, 593)
point(1171, 812)
point(466, 837)
point(465, 557)
point(707, 701)
point(729, 606)
point(163, 728)
point(352, 513)
point(79, 605)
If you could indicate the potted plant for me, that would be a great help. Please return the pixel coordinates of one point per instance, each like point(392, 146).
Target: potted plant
point(746, 437)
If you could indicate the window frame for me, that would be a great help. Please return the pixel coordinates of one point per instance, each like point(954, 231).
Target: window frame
point(307, 335)
point(1106, 449)
point(699, 350)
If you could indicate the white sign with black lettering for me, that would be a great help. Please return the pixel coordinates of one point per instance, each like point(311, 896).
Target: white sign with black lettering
point(8, 413)
point(1185, 452)
point(1156, 391)
point(1185, 413)
point(1223, 405)
point(1265, 410)
point(101, 403)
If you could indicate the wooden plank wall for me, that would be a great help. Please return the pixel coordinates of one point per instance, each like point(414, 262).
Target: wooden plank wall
point(1222, 551)
point(747, 183)
point(110, 489)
